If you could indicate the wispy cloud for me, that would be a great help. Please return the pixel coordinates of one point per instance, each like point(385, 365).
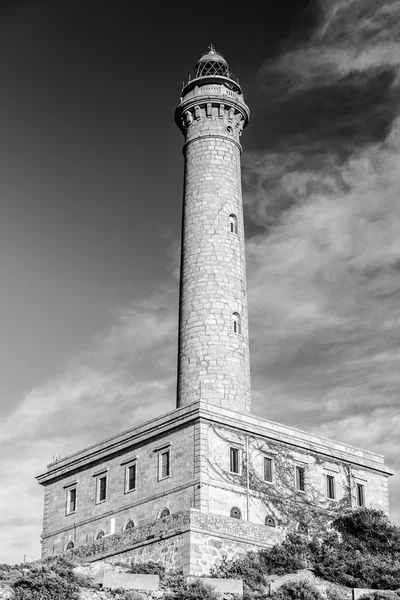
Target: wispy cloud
point(322, 188)
point(126, 377)
point(324, 266)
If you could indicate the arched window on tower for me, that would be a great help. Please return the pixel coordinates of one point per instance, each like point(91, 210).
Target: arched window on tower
point(165, 513)
point(233, 224)
point(236, 325)
point(70, 545)
point(130, 525)
point(100, 535)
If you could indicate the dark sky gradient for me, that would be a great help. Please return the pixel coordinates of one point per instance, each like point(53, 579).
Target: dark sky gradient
point(90, 196)
point(90, 160)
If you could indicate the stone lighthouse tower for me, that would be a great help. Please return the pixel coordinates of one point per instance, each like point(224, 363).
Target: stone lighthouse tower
point(208, 480)
point(213, 352)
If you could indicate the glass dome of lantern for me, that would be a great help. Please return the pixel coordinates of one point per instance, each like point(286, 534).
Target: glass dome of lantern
point(212, 68)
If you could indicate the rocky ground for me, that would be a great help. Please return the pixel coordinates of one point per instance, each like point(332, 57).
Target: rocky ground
point(90, 576)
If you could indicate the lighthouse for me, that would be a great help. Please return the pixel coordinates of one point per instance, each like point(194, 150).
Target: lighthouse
point(213, 348)
point(208, 480)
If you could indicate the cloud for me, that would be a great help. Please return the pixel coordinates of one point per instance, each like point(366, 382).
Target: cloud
point(322, 184)
point(352, 36)
point(321, 194)
point(127, 376)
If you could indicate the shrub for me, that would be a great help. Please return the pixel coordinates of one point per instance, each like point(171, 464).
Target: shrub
point(369, 529)
point(247, 567)
point(334, 594)
point(297, 590)
point(194, 591)
point(148, 568)
point(341, 562)
point(42, 584)
point(173, 580)
point(121, 594)
point(288, 557)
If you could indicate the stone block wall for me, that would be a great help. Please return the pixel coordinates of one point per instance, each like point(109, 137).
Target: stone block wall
point(200, 438)
point(213, 358)
point(189, 541)
point(280, 499)
point(143, 504)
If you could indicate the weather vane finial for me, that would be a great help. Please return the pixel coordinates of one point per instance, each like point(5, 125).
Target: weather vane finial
point(211, 48)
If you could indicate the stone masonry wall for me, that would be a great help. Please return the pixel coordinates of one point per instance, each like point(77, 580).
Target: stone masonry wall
point(141, 505)
point(165, 541)
point(280, 499)
point(189, 540)
point(213, 360)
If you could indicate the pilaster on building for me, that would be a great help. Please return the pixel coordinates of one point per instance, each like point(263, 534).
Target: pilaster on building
point(209, 479)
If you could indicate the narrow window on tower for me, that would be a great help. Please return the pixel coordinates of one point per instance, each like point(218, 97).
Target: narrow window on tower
point(234, 460)
point(236, 326)
point(164, 464)
point(233, 224)
point(267, 469)
point(300, 479)
point(330, 487)
point(360, 494)
point(130, 478)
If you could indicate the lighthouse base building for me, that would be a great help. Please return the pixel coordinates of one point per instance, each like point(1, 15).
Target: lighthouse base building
point(208, 480)
point(199, 484)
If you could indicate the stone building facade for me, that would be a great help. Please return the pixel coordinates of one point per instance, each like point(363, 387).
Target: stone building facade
point(209, 479)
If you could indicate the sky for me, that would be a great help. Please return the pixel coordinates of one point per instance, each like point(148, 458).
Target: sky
point(91, 173)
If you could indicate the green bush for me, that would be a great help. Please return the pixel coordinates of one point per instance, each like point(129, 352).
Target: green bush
point(194, 591)
point(297, 590)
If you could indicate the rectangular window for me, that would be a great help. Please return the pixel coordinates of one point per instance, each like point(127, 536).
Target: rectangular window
point(300, 479)
point(234, 465)
point(268, 469)
point(71, 501)
point(360, 494)
point(101, 488)
point(130, 478)
point(330, 487)
point(164, 464)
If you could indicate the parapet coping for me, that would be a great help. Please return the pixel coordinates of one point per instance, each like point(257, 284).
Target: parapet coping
point(159, 426)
